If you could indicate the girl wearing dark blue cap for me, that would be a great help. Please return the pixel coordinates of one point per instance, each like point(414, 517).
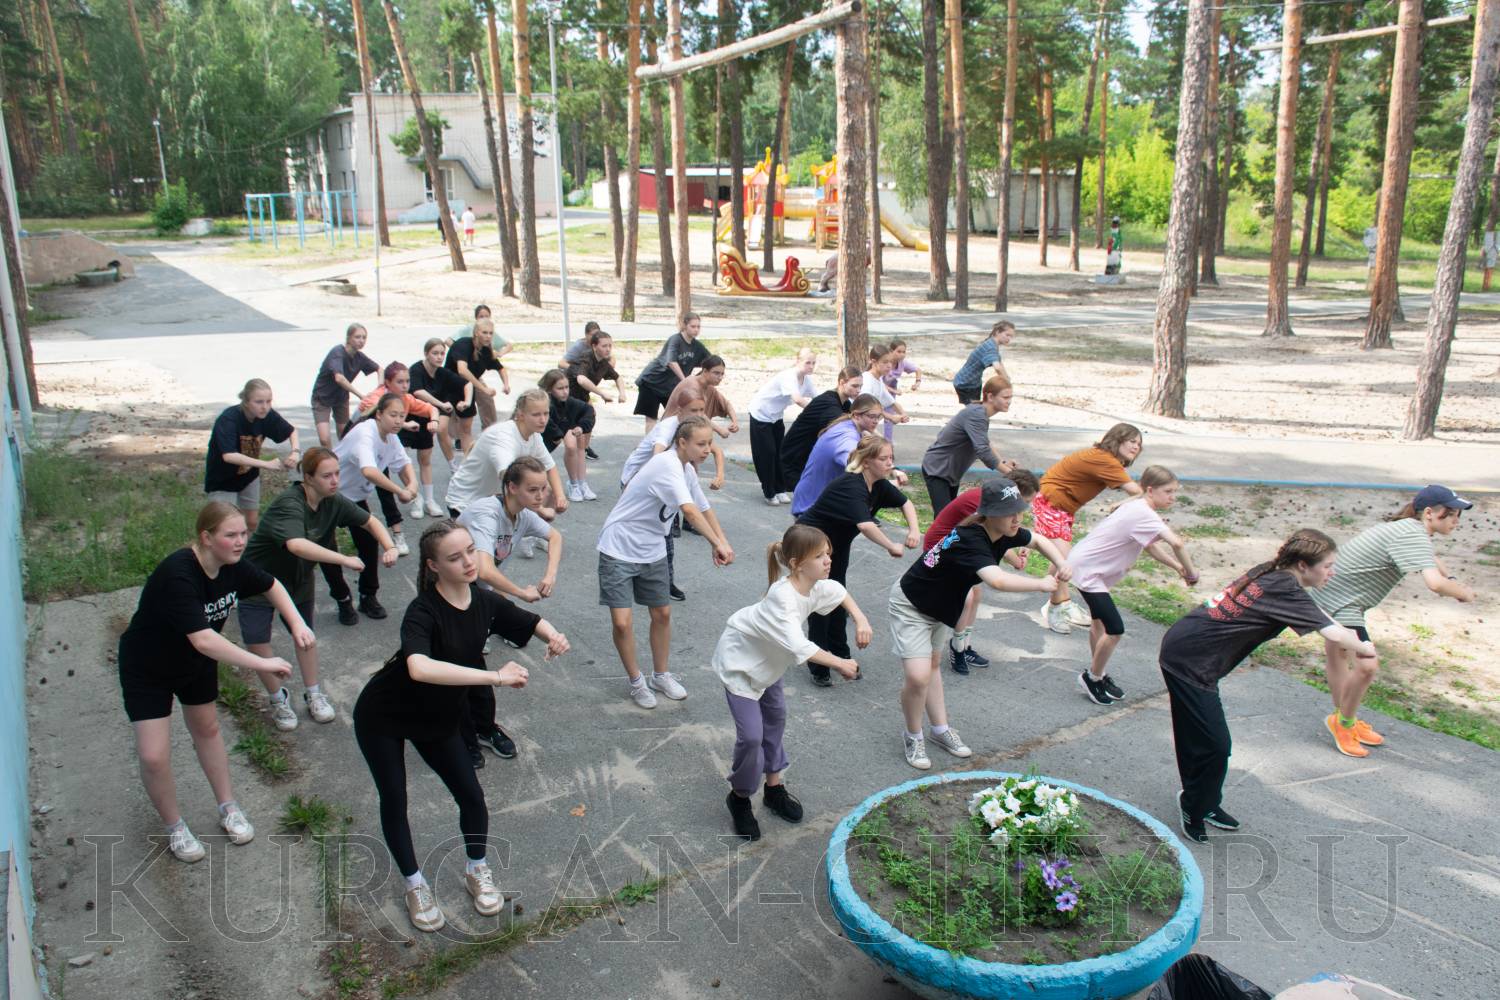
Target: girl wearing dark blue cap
point(1370, 565)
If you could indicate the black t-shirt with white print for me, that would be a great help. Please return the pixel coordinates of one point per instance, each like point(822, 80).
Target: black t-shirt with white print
point(180, 599)
point(938, 583)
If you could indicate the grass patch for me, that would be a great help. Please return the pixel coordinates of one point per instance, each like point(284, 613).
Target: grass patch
point(41, 317)
point(92, 223)
point(1213, 510)
point(1429, 713)
point(1209, 531)
point(1161, 603)
point(328, 827)
point(256, 740)
point(776, 350)
point(349, 969)
point(92, 526)
point(645, 890)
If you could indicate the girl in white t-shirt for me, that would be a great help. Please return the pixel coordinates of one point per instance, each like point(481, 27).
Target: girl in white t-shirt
point(366, 454)
point(1107, 553)
point(767, 407)
point(759, 644)
point(882, 358)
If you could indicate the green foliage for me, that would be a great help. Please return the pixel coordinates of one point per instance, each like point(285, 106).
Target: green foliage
point(409, 139)
point(1350, 209)
point(799, 171)
point(1426, 216)
point(175, 205)
point(65, 186)
point(1138, 186)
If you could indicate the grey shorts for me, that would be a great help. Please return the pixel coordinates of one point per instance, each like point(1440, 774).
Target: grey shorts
point(247, 498)
point(255, 621)
point(915, 636)
point(338, 413)
point(622, 583)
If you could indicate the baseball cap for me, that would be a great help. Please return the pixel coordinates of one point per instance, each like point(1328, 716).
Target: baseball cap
point(1000, 497)
point(1439, 496)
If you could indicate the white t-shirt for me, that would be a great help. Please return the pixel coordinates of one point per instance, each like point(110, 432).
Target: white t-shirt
point(1108, 551)
point(493, 451)
point(661, 434)
point(765, 640)
point(494, 531)
point(468, 218)
point(877, 388)
point(364, 448)
point(636, 530)
point(770, 403)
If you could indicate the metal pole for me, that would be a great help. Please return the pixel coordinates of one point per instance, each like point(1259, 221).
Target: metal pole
point(562, 250)
point(161, 157)
point(374, 208)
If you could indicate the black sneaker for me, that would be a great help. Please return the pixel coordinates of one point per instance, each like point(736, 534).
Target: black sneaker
point(957, 660)
point(1196, 832)
point(676, 594)
point(1221, 819)
point(745, 824)
point(497, 741)
point(1094, 689)
point(823, 680)
point(347, 614)
point(975, 660)
point(591, 453)
point(1112, 688)
point(783, 803)
point(477, 757)
point(370, 607)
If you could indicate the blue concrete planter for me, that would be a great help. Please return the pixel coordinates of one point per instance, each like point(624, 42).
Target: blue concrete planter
point(932, 973)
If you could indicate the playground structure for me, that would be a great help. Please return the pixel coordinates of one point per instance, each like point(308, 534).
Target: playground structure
point(260, 215)
point(819, 205)
point(736, 277)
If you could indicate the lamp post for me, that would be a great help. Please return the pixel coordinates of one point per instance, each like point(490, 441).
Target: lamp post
point(161, 157)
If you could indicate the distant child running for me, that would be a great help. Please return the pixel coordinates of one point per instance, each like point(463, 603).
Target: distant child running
point(468, 221)
point(760, 643)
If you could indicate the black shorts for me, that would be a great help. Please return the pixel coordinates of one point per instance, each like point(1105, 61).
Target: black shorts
point(419, 439)
point(1102, 608)
point(149, 691)
point(463, 411)
point(648, 403)
point(967, 396)
point(1359, 630)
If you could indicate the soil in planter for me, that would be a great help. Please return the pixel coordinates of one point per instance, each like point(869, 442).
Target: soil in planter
point(925, 865)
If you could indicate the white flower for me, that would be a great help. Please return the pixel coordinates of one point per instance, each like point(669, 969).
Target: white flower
point(1000, 838)
point(992, 813)
point(1012, 803)
point(1061, 809)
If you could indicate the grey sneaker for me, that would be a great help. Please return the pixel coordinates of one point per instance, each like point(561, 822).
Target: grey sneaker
point(422, 908)
point(481, 885)
point(951, 742)
point(667, 685)
point(1055, 617)
point(642, 696)
point(319, 707)
point(282, 715)
point(916, 752)
point(185, 846)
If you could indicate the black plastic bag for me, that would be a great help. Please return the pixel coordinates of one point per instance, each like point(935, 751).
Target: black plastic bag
point(1198, 977)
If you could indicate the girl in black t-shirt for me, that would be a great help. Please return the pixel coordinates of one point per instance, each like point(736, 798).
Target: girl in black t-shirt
point(171, 649)
point(233, 466)
point(846, 509)
point(569, 422)
point(1214, 638)
point(418, 696)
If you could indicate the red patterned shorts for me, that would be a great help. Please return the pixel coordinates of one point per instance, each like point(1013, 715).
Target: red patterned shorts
point(1049, 521)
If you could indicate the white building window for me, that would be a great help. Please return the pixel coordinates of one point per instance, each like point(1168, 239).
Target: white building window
point(447, 173)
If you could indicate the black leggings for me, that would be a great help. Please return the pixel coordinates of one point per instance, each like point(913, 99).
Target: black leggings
point(369, 553)
point(1200, 735)
point(940, 492)
point(449, 760)
point(765, 453)
point(830, 632)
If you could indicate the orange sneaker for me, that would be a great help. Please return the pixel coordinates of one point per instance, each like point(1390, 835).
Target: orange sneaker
point(1366, 735)
point(1344, 738)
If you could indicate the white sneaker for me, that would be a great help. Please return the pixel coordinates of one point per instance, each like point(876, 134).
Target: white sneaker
point(951, 742)
point(422, 908)
point(237, 826)
point(481, 885)
point(282, 715)
point(1055, 617)
point(642, 696)
point(1078, 615)
point(667, 685)
point(402, 549)
point(527, 548)
point(774, 501)
point(434, 509)
point(318, 706)
point(185, 846)
point(415, 511)
point(575, 492)
point(587, 491)
point(916, 753)
point(785, 498)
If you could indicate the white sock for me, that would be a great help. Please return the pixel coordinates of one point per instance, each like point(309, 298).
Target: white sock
point(224, 807)
point(939, 730)
point(312, 690)
point(181, 824)
point(471, 865)
point(914, 736)
point(280, 696)
point(961, 639)
point(638, 681)
point(427, 492)
point(415, 881)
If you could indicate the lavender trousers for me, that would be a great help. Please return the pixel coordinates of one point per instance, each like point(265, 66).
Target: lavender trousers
point(758, 726)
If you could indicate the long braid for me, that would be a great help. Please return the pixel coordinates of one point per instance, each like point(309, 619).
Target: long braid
point(1306, 545)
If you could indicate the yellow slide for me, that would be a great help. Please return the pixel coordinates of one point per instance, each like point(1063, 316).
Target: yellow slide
point(904, 234)
point(798, 205)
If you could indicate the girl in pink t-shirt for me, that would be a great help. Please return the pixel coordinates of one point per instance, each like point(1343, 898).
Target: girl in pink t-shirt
point(1107, 553)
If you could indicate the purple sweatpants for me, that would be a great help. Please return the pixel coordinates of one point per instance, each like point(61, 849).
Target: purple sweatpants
point(758, 726)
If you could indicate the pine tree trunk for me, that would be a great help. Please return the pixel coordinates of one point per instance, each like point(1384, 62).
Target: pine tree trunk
point(659, 165)
point(1075, 227)
point(1278, 320)
point(611, 156)
point(508, 279)
point(1231, 70)
point(1401, 129)
point(960, 157)
point(1493, 216)
point(1421, 416)
point(632, 158)
point(851, 82)
point(531, 269)
point(70, 127)
point(1169, 370)
point(1099, 197)
point(1208, 221)
point(872, 127)
point(679, 164)
point(362, 47)
point(1044, 128)
point(510, 244)
point(937, 158)
point(1007, 149)
point(1317, 171)
point(429, 143)
point(783, 108)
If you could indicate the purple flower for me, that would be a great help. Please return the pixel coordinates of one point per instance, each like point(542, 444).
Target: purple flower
point(1050, 876)
point(1066, 901)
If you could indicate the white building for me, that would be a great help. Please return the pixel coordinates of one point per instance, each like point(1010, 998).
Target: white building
point(339, 157)
point(1025, 203)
